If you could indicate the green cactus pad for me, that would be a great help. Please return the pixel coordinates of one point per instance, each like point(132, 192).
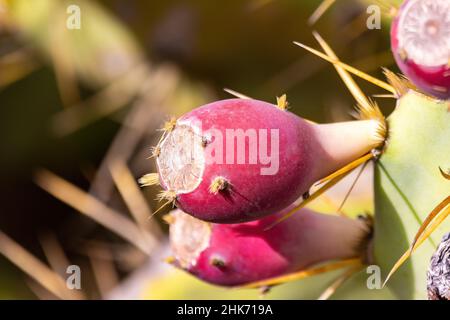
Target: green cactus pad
point(408, 185)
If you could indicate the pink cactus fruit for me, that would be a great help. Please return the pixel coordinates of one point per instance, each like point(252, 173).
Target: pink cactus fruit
point(239, 160)
point(237, 254)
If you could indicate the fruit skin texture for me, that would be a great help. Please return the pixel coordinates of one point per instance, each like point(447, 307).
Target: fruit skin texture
point(426, 78)
point(242, 253)
point(302, 160)
point(251, 192)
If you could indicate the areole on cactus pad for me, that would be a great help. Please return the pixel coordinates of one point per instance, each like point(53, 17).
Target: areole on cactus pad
point(238, 254)
point(238, 160)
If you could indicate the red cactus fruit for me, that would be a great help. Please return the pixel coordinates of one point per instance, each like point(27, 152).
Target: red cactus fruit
point(420, 41)
point(238, 160)
point(237, 254)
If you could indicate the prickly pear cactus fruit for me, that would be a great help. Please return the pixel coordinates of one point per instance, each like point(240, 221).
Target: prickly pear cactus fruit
point(408, 185)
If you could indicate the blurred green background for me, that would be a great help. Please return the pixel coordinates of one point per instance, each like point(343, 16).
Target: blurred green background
point(75, 101)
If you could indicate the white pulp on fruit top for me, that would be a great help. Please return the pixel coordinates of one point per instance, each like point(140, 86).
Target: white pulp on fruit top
point(188, 238)
point(181, 160)
point(424, 32)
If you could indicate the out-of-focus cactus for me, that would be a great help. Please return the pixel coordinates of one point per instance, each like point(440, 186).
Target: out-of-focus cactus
point(100, 51)
point(408, 185)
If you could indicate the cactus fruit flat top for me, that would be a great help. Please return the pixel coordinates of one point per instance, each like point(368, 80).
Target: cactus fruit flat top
point(181, 162)
point(424, 31)
point(420, 41)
